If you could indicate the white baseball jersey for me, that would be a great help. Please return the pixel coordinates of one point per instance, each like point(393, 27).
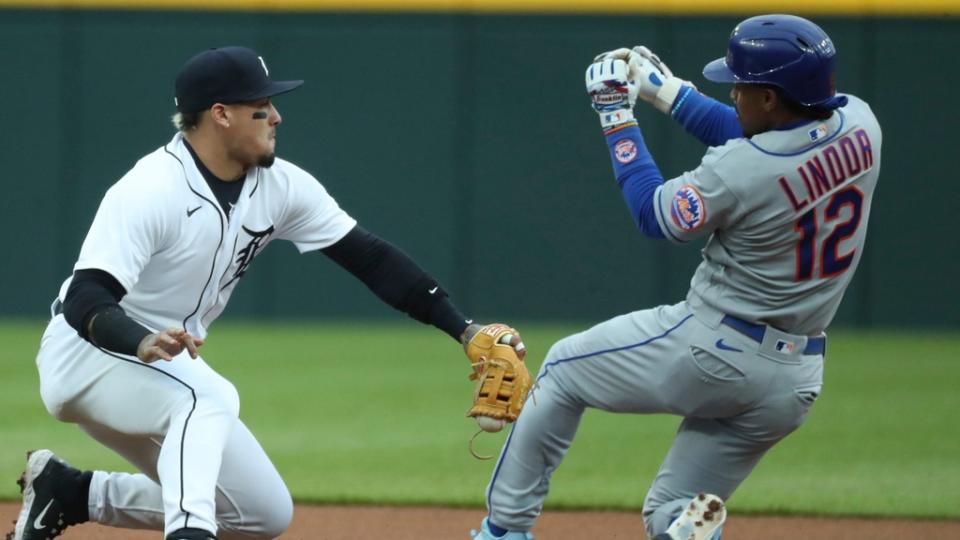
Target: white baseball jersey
point(162, 234)
point(787, 210)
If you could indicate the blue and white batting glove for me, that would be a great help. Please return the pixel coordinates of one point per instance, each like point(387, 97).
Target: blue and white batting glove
point(658, 85)
point(612, 93)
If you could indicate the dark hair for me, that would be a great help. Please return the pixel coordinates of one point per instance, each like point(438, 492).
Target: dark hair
point(794, 106)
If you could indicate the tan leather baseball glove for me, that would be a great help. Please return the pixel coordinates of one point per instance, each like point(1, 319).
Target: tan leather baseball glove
point(503, 380)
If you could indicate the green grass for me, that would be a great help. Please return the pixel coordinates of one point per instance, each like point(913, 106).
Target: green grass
point(375, 413)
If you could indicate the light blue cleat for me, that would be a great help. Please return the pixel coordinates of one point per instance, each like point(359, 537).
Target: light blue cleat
point(485, 534)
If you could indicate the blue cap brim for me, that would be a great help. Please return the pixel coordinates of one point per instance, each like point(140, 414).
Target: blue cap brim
point(717, 71)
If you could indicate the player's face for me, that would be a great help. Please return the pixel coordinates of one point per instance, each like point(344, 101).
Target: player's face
point(254, 140)
point(751, 101)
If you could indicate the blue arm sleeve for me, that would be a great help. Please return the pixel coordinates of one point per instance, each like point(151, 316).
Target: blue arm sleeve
point(637, 176)
point(710, 121)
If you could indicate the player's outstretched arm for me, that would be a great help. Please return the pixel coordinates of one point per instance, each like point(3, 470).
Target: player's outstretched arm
point(495, 351)
point(397, 280)
point(710, 121)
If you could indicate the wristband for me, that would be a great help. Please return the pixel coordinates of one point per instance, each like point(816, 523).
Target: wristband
point(113, 330)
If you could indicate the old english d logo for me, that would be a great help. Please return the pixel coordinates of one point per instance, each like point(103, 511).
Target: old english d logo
point(245, 256)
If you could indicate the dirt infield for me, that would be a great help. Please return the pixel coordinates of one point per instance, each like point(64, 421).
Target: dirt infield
point(391, 523)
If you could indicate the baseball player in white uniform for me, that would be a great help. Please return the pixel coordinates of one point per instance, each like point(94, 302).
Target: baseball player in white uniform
point(169, 243)
point(783, 196)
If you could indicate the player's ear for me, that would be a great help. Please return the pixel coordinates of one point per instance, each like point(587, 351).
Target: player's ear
point(770, 99)
point(220, 115)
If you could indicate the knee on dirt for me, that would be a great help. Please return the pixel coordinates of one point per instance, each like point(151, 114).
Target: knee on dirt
point(267, 518)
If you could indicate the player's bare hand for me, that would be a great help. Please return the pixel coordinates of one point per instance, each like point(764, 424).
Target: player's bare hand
point(167, 344)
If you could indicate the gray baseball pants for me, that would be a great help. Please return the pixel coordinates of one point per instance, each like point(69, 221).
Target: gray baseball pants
point(738, 397)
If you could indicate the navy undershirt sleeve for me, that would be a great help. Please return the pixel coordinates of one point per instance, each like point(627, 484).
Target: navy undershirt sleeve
point(396, 279)
point(94, 295)
point(89, 290)
point(637, 175)
point(710, 121)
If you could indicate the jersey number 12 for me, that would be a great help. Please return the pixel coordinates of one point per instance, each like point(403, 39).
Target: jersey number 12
point(831, 262)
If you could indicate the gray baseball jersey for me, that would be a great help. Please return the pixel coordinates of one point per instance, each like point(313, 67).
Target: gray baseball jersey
point(741, 359)
point(788, 211)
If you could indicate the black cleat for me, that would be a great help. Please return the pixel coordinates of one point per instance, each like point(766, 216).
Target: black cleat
point(54, 497)
point(191, 533)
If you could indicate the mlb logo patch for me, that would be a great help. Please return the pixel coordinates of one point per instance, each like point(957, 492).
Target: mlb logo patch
point(687, 208)
point(786, 347)
point(625, 151)
point(818, 132)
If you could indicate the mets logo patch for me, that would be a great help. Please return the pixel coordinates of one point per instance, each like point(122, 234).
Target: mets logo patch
point(687, 208)
point(625, 151)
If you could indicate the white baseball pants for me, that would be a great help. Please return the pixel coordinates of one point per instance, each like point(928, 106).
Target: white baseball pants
point(178, 423)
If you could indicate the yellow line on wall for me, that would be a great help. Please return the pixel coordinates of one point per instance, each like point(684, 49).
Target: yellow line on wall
point(649, 7)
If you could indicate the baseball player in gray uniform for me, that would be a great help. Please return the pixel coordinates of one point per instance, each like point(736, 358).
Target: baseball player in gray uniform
point(783, 196)
point(170, 242)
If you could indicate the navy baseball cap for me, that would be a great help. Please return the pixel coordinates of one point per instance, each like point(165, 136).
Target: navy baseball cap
point(225, 75)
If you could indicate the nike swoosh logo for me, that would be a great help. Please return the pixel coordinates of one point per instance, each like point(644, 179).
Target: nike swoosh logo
point(191, 212)
point(723, 346)
point(38, 523)
point(433, 290)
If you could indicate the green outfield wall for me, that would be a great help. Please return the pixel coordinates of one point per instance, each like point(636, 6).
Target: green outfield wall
point(661, 7)
point(464, 136)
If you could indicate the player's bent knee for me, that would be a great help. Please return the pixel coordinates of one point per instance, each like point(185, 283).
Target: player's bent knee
point(264, 521)
point(271, 520)
point(221, 399)
point(560, 349)
point(231, 399)
point(279, 517)
point(59, 404)
point(56, 408)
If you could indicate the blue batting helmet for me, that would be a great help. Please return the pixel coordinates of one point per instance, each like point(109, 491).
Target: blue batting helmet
point(785, 51)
